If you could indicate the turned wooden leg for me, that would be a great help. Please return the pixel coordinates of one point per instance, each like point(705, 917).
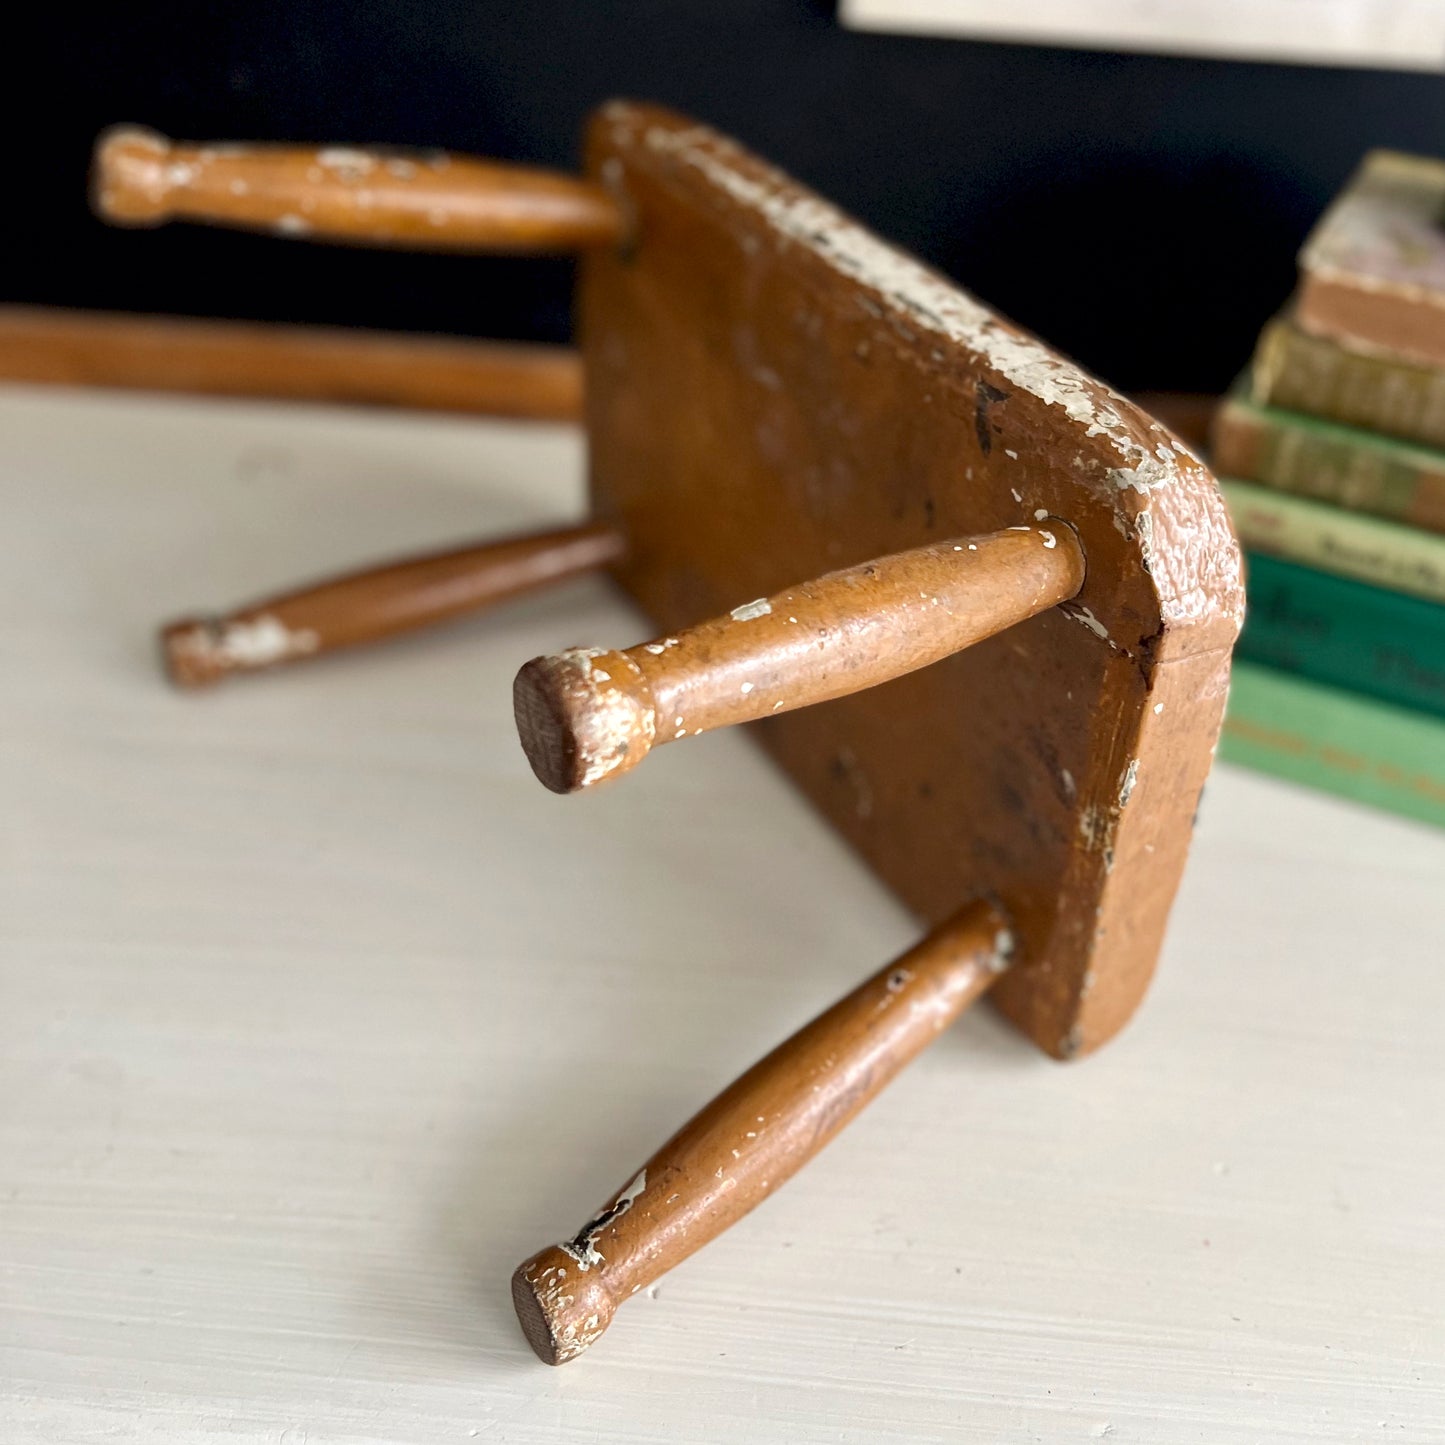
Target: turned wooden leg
point(589, 714)
point(421, 201)
point(756, 1134)
point(369, 605)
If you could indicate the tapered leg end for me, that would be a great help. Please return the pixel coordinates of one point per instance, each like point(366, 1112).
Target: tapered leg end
point(560, 1309)
point(581, 717)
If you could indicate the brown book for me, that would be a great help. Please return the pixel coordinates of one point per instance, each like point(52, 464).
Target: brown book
point(1372, 273)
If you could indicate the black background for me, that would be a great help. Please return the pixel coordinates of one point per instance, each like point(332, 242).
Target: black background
point(1142, 213)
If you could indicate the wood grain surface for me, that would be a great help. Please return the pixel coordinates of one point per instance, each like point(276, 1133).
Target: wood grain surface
point(293, 1068)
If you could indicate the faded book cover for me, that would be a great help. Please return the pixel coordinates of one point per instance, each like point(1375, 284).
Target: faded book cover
point(1372, 272)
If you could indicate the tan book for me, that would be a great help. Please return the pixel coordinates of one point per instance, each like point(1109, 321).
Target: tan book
point(1301, 372)
point(1372, 273)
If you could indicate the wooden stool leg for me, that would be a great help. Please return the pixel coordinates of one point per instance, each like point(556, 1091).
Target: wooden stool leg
point(756, 1134)
point(418, 201)
point(589, 714)
point(369, 605)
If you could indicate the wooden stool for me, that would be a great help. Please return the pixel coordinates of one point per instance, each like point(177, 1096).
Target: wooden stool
point(1026, 594)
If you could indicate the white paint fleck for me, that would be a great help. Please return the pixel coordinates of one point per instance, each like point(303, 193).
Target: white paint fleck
point(345, 161)
point(1014, 492)
point(1127, 782)
point(1009, 453)
point(254, 642)
point(1067, 778)
point(1040, 514)
point(1082, 614)
point(1049, 539)
point(1158, 708)
point(1004, 944)
point(750, 610)
point(746, 688)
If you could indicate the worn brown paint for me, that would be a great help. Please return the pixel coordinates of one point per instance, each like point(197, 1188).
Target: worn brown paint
point(756, 1134)
point(414, 200)
point(587, 715)
point(772, 393)
point(379, 602)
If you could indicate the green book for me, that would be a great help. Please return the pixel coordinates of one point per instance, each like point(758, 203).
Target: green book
point(1300, 372)
point(1336, 741)
point(1344, 465)
point(1349, 544)
point(1346, 633)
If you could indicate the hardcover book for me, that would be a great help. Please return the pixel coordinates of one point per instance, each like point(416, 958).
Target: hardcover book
point(1336, 741)
point(1344, 465)
point(1345, 633)
point(1300, 372)
point(1373, 270)
point(1349, 544)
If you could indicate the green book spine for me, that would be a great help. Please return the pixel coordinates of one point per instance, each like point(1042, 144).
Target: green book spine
point(1348, 544)
point(1346, 633)
point(1336, 741)
point(1300, 372)
point(1333, 463)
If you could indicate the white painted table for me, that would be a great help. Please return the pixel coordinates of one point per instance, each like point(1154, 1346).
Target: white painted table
point(317, 1014)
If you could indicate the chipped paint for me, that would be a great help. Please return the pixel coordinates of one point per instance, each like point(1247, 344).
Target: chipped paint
point(908, 289)
point(1082, 614)
point(244, 643)
point(1126, 785)
point(1002, 956)
point(583, 1246)
point(751, 610)
point(347, 163)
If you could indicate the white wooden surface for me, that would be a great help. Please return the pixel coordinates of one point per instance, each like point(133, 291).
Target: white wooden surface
point(317, 1014)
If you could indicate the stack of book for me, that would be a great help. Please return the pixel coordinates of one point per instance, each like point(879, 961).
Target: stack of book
point(1332, 453)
